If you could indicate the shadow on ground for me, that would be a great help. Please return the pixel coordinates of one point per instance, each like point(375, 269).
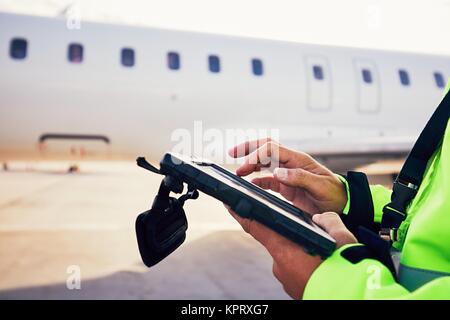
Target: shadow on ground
point(221, 265)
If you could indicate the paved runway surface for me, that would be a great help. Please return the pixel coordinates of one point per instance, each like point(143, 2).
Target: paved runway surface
point(51, 220)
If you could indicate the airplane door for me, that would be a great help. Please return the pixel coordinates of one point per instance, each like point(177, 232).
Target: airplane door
point(318, 83)
point(368, 84)
point(74, 146)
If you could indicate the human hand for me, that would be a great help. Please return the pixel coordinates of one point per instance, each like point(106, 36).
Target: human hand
point(292, 266)
point(299, 178)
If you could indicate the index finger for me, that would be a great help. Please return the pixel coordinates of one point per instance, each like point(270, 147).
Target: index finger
point(247, 147)
point(265, 156)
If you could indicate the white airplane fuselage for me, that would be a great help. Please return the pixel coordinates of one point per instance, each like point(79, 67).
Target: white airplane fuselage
point(135, 110)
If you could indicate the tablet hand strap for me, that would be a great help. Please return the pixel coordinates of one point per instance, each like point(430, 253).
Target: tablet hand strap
point(162, 229)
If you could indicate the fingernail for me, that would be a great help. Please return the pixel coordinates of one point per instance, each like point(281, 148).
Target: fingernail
point(281, 173)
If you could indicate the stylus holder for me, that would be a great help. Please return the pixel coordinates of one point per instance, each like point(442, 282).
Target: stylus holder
point(162, 229)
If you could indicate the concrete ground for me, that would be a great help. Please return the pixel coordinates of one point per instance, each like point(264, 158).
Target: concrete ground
point(51, 220)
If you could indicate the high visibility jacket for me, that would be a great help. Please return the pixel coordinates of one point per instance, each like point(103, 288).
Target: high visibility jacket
point(423, 242)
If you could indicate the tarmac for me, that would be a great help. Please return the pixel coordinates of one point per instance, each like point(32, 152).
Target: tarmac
point(55, 225)
point(52, 221)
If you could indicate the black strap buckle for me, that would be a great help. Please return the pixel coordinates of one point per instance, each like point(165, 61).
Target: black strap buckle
point(388, 234)
point(395, 212)
point(403, 193)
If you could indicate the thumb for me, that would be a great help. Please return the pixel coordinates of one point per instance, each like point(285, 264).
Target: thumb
point(333, 225)
point(296, 177)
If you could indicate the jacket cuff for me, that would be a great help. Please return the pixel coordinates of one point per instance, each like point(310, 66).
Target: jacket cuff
point(347, 190)
point(325, 279)
point(361, 212)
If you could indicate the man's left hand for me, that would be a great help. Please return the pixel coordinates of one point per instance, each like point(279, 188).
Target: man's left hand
point(292, 266)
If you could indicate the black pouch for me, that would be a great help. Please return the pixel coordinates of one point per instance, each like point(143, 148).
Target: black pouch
point(160, 232)
point(162, 229)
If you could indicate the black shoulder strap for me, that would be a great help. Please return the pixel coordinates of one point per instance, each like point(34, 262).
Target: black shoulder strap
point(408, 181)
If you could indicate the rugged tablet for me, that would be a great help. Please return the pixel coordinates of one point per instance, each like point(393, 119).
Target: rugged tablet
point(249, 201)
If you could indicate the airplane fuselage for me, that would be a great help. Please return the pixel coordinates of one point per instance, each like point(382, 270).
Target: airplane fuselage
point(322, 99)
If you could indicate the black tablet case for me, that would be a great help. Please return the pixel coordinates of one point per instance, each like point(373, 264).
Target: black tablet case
point(195, 173)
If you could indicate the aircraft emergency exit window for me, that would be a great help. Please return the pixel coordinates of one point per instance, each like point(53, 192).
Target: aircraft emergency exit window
point(366, 76)
point(257, 67)
point(214, 63)
point(127, 57)
point(404, 77)
point(317, 72)
point(18, 48)
point(173, 60)
point(75, 53)
point(439, 79)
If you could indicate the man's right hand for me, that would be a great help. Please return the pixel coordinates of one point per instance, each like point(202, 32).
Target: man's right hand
point(299, 178)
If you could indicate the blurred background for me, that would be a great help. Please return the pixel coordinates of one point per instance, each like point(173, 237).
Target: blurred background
point(87, 86)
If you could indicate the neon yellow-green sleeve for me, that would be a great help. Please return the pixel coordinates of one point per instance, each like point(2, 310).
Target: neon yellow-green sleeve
point(338, 278)
point(347, 190)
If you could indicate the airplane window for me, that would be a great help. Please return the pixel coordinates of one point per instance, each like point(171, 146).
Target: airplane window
point(127, 57)
point(318, 72)
point(366, 75)
point(439, 79)
point(75, 53)
point(18, 48)
point(404, 77)
point(214, 63)
point(173, 60)
point(257, 67)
